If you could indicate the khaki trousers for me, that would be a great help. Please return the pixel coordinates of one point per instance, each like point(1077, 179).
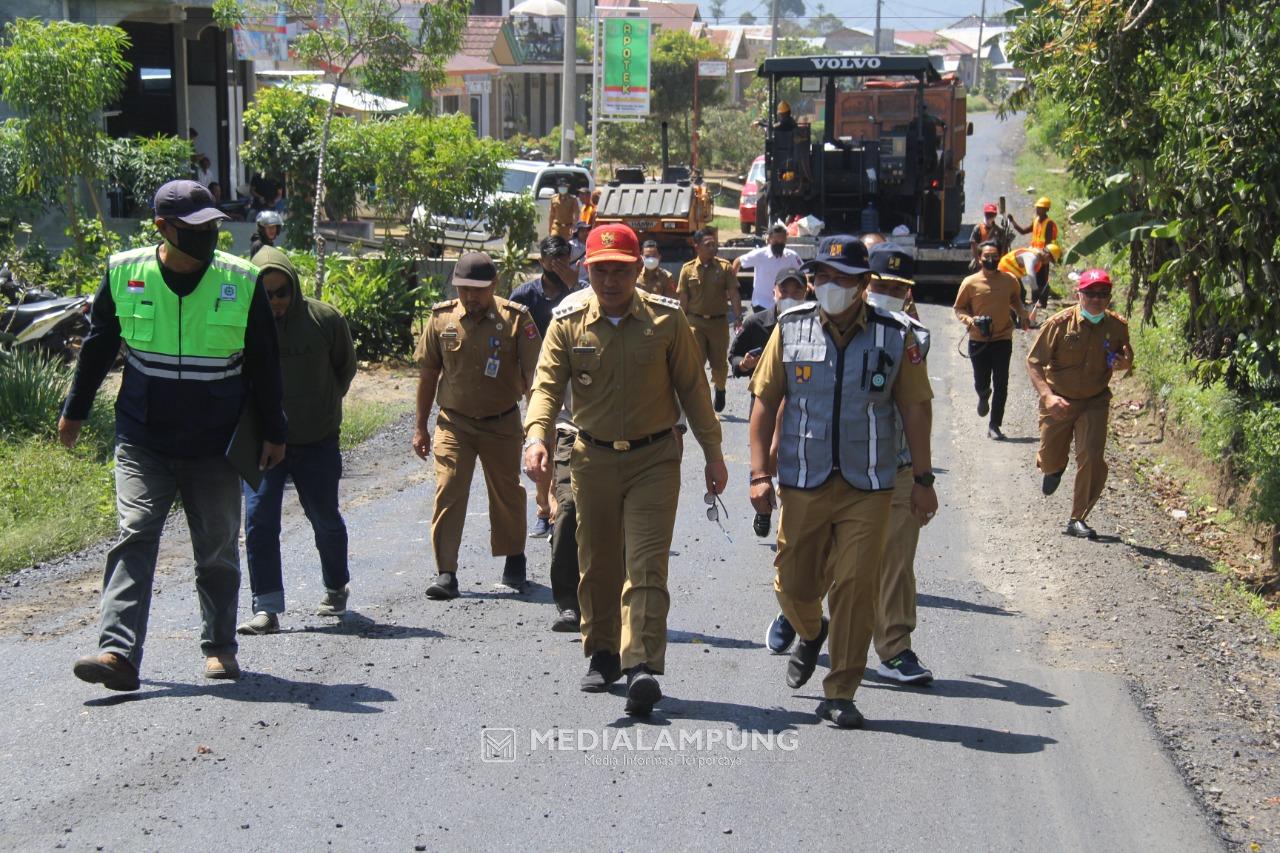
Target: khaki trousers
point(851, 526)
point(1087, 424)
point(712, 337)
point(458, 441)
point(626, 506)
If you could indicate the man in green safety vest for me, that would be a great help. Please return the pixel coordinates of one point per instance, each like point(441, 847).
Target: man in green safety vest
point(199, 346)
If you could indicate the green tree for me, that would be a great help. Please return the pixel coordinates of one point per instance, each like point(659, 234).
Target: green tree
point(142, 165)
point(369, 38)
point(59, 77)
point(717, 10)
point(747, 19)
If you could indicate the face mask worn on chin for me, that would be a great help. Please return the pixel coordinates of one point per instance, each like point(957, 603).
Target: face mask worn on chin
point(834, 299)
point(990, 264)
point(196, 244)
point(1092, 318)
point(651, 263)
point(786, 303)
point(885, 302)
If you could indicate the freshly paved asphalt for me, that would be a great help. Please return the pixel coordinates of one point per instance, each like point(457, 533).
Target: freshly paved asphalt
point(375, 731)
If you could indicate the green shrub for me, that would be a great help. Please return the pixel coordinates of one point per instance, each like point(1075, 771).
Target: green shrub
point(32, 387)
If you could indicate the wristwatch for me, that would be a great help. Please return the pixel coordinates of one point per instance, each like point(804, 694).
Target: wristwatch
point(532, 442)
point(926, 479)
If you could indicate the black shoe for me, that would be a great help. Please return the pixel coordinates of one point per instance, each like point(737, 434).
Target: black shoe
point(804, 658)
point(1080, 530)
point(604, 669)
point(514, 572)
point(444, 588)
point(719, 399)
point(984, 406)
point(842, 712)
point(643, 691)
point(1051, 482)
point(995, 434)
point(567, 621)
point(761, 523)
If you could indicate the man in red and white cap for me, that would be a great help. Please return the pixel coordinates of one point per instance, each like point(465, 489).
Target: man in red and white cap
point(1071, 364)
point(632, 364)
point(988, 231)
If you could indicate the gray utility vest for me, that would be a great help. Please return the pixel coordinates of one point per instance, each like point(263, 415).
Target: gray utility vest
point(864, 443)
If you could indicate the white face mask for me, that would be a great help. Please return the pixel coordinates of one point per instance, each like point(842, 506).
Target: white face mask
point(651, 263)
point(835, 299)
point(786, 303)
point(885, 302)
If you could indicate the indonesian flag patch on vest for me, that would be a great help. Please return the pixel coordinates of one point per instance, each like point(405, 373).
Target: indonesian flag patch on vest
point(136, 286)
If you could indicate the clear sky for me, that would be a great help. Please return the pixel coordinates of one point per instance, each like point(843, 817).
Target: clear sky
point(895, 14)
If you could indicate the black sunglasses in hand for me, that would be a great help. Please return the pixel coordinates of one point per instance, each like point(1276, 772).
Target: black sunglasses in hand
point(713, 512)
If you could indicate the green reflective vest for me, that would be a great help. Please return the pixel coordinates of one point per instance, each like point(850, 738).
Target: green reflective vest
point(197, 337)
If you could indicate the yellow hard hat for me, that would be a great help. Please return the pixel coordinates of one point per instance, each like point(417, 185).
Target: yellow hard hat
point(1054, 250)
point(784, 107)
point(1044, 202)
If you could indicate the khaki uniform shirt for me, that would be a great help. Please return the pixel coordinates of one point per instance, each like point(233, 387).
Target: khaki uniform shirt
point(769, 381)
point(564, 211)
point(658, 282)
point(625, 379)
point(485, 364)
point(994, 294)
point(710, 289)
point(1073, 352)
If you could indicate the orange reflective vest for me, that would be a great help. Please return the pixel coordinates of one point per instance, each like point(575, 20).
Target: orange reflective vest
point(1043, 232)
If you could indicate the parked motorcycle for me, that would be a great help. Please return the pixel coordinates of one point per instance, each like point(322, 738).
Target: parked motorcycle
point(36, 317)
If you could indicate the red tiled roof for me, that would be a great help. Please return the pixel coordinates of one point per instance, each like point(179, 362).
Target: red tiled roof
point(480, 34)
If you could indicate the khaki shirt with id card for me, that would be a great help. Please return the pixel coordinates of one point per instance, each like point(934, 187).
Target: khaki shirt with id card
point(486, 363)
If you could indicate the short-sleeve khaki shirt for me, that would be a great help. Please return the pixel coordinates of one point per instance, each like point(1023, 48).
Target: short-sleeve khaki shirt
point(769, 381)
point(709, 288)
point(486, 364)
point(995, 295)
point(658, 282)
point(625, 379)
point(1073, 352)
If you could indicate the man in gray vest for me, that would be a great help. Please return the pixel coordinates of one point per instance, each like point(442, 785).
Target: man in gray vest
point(846, 370)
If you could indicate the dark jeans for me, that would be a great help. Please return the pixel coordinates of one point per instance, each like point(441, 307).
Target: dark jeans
point(1041, 294)
point(564, 535)
point(991, 366)
point(315, 469)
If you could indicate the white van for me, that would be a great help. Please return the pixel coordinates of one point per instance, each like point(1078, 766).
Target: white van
point(537, 179)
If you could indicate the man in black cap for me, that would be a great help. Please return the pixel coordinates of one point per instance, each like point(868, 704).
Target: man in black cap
point(199, 345)
point(847, 373)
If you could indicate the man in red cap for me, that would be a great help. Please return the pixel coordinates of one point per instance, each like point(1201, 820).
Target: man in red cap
point(988, 231)
point(1071, 364)
point(631, 362)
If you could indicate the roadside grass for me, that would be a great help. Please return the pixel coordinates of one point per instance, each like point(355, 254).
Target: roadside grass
point(1236, 592)
point(977, 103)
point(363, 419)
point(728, 226)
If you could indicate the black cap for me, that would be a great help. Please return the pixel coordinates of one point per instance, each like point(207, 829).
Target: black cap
point(785, 274)
point(891, 262)
point(187, 201)
point(842, 252)
point(474, 269)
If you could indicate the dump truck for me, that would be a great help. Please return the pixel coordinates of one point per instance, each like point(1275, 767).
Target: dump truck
point(888, 154)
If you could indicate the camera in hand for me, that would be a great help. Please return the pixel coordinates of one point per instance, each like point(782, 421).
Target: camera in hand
point(761, 523)
point(983, 324)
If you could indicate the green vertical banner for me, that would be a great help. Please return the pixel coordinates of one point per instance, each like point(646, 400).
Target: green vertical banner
point(626, 67)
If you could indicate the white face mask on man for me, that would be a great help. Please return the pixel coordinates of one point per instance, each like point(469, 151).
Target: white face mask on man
point(835, 299)
point(650, 263)
point(786, 303)
point(885, 302)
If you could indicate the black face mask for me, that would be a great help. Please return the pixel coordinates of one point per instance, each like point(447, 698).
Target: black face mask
point(990, 264)
point(196, 244)
point(776, 249)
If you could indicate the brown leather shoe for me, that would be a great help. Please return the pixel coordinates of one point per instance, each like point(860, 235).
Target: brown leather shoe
point(109, 669)
point(221, 666)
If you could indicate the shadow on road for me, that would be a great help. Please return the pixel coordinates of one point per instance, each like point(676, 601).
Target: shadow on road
point(986, 687)
point(260, 687)
point(1190, 562)
point(747, 718)
point(970, 737)
point(698, 638)
point(355, 624)
point(941, 601)
point(534, 593)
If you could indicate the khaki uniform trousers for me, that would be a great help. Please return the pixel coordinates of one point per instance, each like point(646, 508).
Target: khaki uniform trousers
point(626, 505)
point(712, 337)
point(1087, 424)
point(458, 441)
point(851, 526)
point(896, 605)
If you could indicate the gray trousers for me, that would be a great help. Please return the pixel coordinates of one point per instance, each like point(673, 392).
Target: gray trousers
point(146, 485)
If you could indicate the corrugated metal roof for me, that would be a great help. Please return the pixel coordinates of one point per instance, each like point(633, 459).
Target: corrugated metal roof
point(645, 200)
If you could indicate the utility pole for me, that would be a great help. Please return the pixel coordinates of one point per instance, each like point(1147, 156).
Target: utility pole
point(879, 3)
point(773, 31)
point(568, 81)
point(977, 59)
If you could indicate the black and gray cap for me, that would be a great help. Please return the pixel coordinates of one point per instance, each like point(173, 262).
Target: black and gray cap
point(189, 202)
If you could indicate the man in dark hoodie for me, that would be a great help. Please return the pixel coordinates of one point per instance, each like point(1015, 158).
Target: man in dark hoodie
point(318, 362)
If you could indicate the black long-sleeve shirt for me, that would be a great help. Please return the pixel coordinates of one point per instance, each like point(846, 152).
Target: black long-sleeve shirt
point(186, 431)
point(755, 332)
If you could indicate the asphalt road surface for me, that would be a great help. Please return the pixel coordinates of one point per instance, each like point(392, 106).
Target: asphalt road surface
point(414, 724)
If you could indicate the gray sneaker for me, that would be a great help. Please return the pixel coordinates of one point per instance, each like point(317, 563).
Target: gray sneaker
point(261, 623)
point(334, 602)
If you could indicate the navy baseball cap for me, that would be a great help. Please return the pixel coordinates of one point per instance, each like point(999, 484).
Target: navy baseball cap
point(842, 252)
point(187, 201)
point(893, 263)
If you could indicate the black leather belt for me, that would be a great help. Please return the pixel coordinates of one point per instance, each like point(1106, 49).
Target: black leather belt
point(634, 444)
point(707, 316)
point(514, 408)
